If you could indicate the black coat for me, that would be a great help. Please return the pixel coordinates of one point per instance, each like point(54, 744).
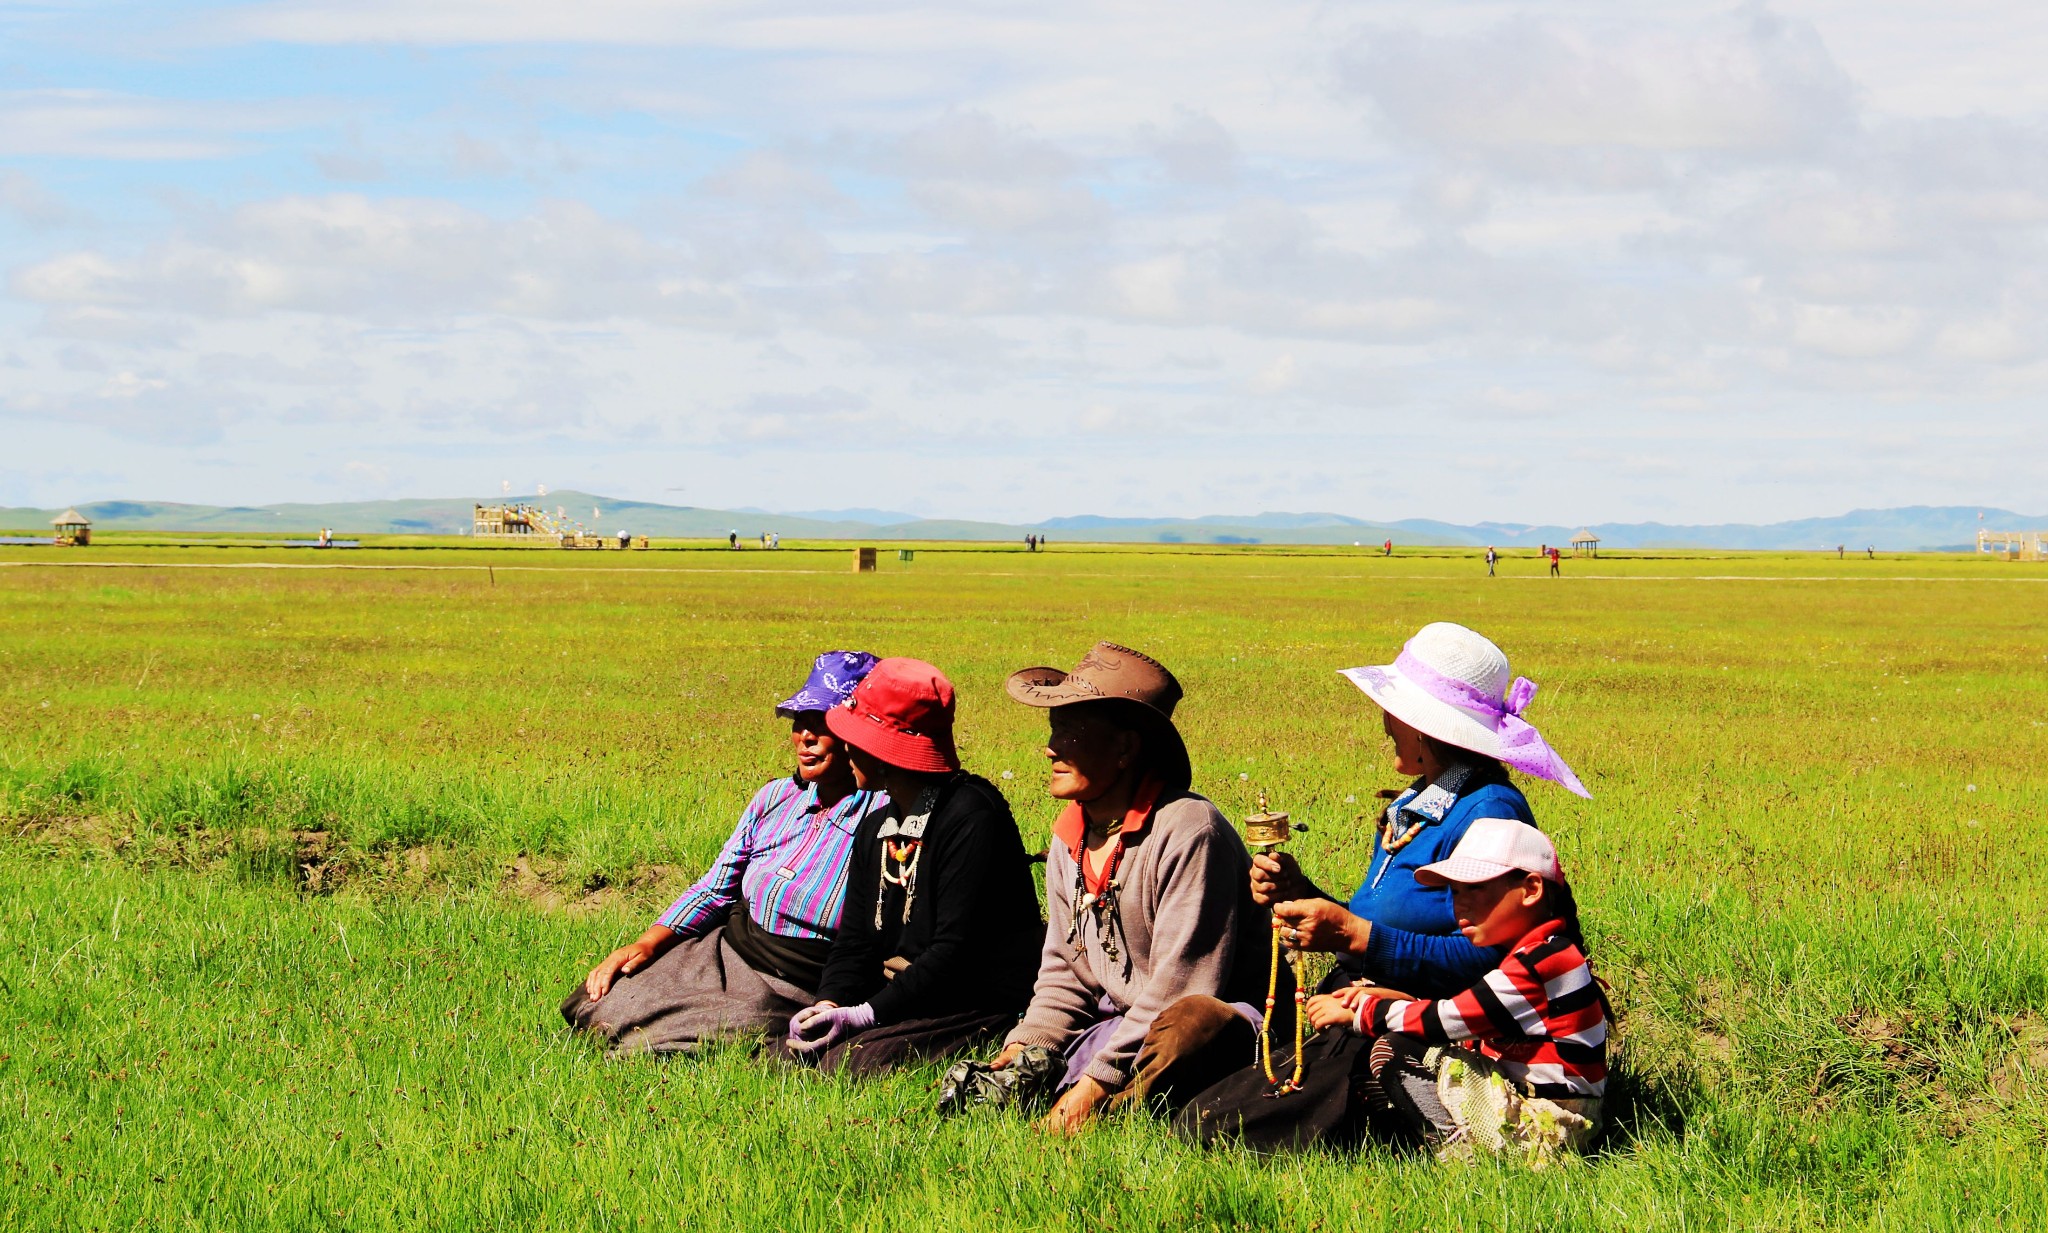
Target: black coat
point(974, 932)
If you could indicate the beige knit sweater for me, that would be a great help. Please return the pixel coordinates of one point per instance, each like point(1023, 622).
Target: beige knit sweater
point(1187, 926)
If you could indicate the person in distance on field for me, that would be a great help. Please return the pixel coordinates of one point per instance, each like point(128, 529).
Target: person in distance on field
point(1453, 713)
point(745, 947)
point(1154, 953)
point(941, 932)
point(1517, 1064)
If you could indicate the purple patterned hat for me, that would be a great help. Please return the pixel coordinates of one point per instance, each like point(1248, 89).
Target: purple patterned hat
point(831, 682)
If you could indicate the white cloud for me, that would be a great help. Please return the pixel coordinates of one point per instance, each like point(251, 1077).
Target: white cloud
point(1525, 401)
point(1752, 83)
point(1277, 376)
point(1242, 235)
point(396, 259)
point(23, 196)
point(1855, 333)
point(101, 124)
point(1194, 149)
point(775, 180)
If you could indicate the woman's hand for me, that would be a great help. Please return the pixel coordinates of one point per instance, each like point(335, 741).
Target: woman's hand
point(1075, 1109)
point(1349, 996)
point(1327, 1010)
point(1276, 878)
point(1340, 1006)
point(1320, 925)
point(1007, 1058)
point(821, 1026)
point(627, 960)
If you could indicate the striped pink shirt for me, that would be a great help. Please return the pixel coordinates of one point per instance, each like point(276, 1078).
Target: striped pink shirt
point(787, 857)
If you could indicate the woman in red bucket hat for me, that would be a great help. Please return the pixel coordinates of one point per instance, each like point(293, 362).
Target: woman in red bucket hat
point(940, 937)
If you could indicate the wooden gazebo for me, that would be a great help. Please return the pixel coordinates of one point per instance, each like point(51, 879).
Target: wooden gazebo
point(1585, 544)
point(73, 528)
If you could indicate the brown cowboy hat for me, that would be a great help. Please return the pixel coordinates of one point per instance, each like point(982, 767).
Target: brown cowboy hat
point(1137, 685)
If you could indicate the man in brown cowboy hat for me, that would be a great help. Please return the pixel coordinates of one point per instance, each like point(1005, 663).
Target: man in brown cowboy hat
point(1154, 951)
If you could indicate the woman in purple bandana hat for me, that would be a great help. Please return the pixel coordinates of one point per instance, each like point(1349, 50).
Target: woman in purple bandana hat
point(1454, 714)
point(743, 949)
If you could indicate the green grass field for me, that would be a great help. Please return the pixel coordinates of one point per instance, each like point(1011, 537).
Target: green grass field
point(298, 862)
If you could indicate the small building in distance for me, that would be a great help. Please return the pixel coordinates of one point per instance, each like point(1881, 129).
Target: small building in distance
point(510, 521)
point(73, 528)
point(2014, 545)
point(1585, 544)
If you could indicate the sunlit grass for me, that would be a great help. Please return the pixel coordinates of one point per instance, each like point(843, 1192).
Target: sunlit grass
point(301, 860)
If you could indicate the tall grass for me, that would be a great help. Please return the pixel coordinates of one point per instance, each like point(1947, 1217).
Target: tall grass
point(298, 863)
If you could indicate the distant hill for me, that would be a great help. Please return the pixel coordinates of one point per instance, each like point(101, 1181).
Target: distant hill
point(1915, 528)
point(872, 517)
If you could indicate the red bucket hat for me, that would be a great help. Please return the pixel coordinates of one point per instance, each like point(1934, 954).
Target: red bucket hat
point(902, 713)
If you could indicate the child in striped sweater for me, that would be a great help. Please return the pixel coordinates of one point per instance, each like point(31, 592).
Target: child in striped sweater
point(1518, 1063)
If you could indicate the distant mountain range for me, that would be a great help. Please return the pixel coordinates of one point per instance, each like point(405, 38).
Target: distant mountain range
point(1908, 529)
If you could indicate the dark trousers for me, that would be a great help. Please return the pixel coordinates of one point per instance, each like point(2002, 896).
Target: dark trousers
point(1192, 1044)
point(893, 1045)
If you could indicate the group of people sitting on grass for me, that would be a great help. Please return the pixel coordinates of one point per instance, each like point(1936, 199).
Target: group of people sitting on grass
point(875, 909)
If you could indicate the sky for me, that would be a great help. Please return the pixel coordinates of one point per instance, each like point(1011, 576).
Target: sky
point(1556, 263)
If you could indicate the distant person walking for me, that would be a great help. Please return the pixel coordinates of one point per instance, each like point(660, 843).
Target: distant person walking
point(1871, 552)
point(1838, 551)
point(1555, 570)
point(1491, 557)
point(1387, 549)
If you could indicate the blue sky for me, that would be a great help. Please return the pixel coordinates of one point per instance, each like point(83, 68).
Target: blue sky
point(1559, 263)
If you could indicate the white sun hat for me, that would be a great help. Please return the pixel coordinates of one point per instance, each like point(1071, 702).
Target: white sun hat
point(1451, 683)
point(1491, 848)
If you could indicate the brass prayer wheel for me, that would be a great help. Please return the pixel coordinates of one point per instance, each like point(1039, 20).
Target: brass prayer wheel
point(1264, 829)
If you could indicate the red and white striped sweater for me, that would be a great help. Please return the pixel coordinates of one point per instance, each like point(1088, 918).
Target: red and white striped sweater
point(1539, 1014)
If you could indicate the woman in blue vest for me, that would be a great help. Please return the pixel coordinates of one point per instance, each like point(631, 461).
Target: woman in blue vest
point(1453, 711)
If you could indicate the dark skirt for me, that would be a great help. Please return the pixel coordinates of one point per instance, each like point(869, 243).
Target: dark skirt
point(698, 990)
point(894, 1045)
point(1327, 1109)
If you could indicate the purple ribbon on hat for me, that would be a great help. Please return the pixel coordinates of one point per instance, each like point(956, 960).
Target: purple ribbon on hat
point(1521, 745)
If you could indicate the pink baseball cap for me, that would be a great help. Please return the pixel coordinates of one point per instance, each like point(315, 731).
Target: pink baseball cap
point(1491, 848)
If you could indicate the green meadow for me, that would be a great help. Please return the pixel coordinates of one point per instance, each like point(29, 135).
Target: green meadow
point(298, 861)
